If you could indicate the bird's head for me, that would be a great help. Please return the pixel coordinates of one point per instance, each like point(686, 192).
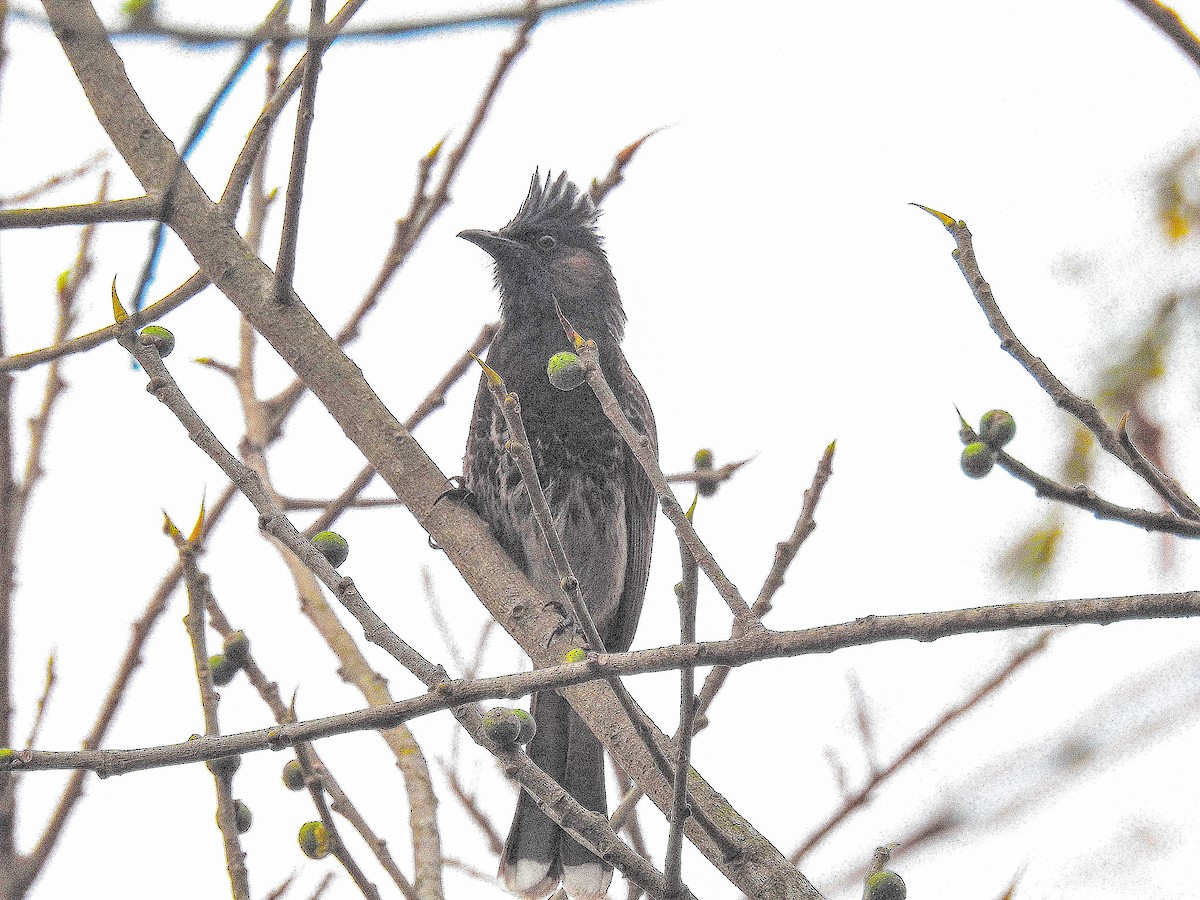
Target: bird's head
point(550, 252)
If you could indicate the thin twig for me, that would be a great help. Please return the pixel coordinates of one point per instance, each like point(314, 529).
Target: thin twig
point(709, 476)
point(337, 847)
point(43, 703)
point(56, 180)
point(686, 592)
point(748, 649)
point(432, 23)
point(21, 361)
point(518, 446)
point(197, 589)
point(140, 633)
point(166, 197)
point(285, 266)
point(861, 796)
point(1063, 397)
point(131, 209)
point(1083, 497)
point(268, 691)
point(785, 552)
point(616, 174)
point(67, 296)
point(589, 356)
point(471, 807)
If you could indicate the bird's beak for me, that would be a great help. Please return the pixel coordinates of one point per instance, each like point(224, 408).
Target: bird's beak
point(500, 248)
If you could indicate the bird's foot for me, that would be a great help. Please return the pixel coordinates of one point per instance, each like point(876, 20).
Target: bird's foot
point(461, 493)
point(568, 623)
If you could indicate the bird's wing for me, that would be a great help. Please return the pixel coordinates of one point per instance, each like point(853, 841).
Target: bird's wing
point(640, 512)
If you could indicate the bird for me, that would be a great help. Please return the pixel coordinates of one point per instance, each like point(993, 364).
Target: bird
point(550, 257)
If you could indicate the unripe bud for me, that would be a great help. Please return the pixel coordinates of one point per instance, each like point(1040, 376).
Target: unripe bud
point(564, 371)
point(242, 816)
point(333, 547)
point(314, 840)
point(160, 337)
point(501, 726)
point(237, 648)
point(528, 726)
point(977, 459)
point(997, 428)
point(222, 669)
point(885, 886)
point(293, 775)
point(703, 460)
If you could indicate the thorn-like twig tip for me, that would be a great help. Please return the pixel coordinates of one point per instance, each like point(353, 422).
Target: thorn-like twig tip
point(493, 377)
point(946, 220)
point(626, 154)
point(119, 313)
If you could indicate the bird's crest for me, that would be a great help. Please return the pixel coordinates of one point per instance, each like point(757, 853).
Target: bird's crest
point(556, 202)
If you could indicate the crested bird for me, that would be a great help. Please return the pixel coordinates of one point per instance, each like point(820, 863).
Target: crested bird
point(550, 257)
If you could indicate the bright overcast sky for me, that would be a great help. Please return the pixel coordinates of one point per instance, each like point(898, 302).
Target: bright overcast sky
point(781, 293)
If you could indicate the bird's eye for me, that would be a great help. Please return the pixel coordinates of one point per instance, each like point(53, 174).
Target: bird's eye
point(547, 242)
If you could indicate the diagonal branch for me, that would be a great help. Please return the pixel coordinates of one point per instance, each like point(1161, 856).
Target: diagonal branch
point(338, 384)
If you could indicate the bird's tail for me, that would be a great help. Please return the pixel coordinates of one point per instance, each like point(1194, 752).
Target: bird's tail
point(538, 854)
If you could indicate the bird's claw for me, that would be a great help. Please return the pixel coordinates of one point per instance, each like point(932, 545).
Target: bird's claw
point(567, 624)
point(460, 492)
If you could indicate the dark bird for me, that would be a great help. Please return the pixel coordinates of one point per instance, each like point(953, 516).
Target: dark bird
point(601, 500)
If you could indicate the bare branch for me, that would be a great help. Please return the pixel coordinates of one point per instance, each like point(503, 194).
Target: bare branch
point(132, 209)
point(43, 703)
point(497, 14)
point(285, 267)
point(860, 797)
point(739, 651)
point(1170, 24)
point(589, 356)
point(1063, 397)
point(56, 180)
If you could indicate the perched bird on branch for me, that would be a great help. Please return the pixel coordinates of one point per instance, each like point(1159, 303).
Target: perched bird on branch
point(601, 500)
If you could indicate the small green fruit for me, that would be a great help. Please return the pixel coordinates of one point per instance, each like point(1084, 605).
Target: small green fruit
point(977, 459)
point(293, 775)
point(243, 816)
point(314, 840)
point(997, 428)
point(528, 726)
point(222, 669)
point(501, 726)
point(333, 547)
point(224, 766)
point(162, 339)
point(237, 648)
point(564, 371)
point(703, 460)
point(885, 886)
point(6, 756)
point(575, 654)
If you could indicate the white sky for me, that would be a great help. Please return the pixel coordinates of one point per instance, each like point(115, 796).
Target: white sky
point(781, 293)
